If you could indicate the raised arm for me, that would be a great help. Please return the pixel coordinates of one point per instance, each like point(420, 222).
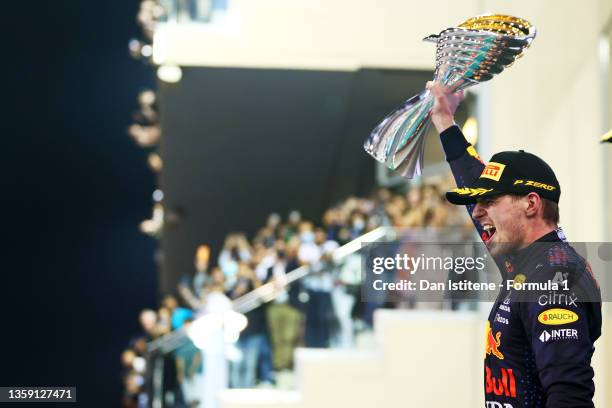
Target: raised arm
point(463, 159)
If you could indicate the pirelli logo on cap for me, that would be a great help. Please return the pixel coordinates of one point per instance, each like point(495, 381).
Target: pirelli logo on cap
point(493, 171)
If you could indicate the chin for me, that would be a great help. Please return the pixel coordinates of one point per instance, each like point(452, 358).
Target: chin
point(497, 249)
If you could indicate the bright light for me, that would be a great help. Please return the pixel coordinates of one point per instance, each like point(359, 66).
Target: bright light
point(470, 130)
point(146, 51)
point(203, 330)
point(158, 195)
point(211, 331)
point(170, 73)
point(155, 162)
point(234, 322)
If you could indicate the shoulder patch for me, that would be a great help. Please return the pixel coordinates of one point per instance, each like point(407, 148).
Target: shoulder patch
point(472, 152)
point(560, 257)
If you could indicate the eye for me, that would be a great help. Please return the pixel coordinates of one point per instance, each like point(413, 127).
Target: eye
point(487, 201)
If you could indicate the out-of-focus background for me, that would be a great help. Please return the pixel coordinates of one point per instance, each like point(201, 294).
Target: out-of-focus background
point(170, 159)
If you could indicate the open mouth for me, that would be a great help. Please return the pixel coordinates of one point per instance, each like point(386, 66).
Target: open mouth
point(487, 233)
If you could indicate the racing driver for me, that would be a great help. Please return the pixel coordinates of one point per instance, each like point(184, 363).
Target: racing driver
point(538, 349)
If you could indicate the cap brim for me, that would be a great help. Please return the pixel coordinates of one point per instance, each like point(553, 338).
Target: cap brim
point(469, 195)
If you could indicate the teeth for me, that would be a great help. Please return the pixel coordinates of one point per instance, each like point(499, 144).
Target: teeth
point(488, 228)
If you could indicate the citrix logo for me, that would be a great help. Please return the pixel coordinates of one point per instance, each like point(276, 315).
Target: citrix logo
point(554, 298)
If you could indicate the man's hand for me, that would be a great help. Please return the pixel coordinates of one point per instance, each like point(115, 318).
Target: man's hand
point(445, 105)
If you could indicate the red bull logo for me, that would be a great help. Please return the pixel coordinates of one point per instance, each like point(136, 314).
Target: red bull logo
point(492, 343)
point(506, 385)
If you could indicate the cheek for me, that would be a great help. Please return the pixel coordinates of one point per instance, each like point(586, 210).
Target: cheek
point(505, 219)
point(511, 222)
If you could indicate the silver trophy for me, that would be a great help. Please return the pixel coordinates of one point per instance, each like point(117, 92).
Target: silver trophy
point(472, 52)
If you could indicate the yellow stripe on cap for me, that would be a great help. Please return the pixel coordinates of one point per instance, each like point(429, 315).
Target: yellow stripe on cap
point(471, 191)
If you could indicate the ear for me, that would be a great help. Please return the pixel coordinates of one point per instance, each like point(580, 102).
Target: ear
point(533, 204)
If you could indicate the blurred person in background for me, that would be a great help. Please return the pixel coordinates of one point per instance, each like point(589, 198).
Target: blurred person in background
point(201, 276)
point(133, 374)
point(358, 224)
point(293, 222)
point(415, 214)
point(178, 315)
point(148, 322)
point(332, 222)
point(315, 252)
point(283, 319)
point(436, 214)
point(346, 296)
point(164, 320)
point(191, 288)
point(309, 252)
point(263, 259)
point(236, 249)
point(243, 372)
point(189, 371)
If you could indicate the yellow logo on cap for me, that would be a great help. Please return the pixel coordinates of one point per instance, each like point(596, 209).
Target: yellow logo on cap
point(493, 171)
point(534, 184)
point(471, 191)
point(555, 317)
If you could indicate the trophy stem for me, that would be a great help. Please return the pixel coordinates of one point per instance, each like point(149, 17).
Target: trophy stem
point(384, 139)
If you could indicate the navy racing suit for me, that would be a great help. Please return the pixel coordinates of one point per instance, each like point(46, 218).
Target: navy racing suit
point(538, 350)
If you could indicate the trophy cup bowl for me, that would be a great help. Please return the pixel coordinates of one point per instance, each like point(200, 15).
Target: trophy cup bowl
point(473, 52)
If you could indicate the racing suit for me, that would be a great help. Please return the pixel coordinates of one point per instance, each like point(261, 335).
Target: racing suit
point(538, 352)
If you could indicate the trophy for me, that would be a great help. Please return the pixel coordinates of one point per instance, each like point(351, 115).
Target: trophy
point(472, 52)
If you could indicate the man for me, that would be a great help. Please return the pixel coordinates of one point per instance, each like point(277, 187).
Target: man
point(538, 348)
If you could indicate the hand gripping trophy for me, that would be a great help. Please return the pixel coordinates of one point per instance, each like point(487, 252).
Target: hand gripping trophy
point(473, 52)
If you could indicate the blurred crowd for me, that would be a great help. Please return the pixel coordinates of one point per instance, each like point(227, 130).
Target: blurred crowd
point(323, 309)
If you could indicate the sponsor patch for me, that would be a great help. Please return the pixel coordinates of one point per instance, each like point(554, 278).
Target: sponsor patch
point(506, 385)
point(472, 152)
point(501, 319)
point(493, 171)
point(558, 334)
point(495, 404)
point(519, 280)
point(555, 317)
point(562, 299)
point(558, 257)
point(492, 343)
